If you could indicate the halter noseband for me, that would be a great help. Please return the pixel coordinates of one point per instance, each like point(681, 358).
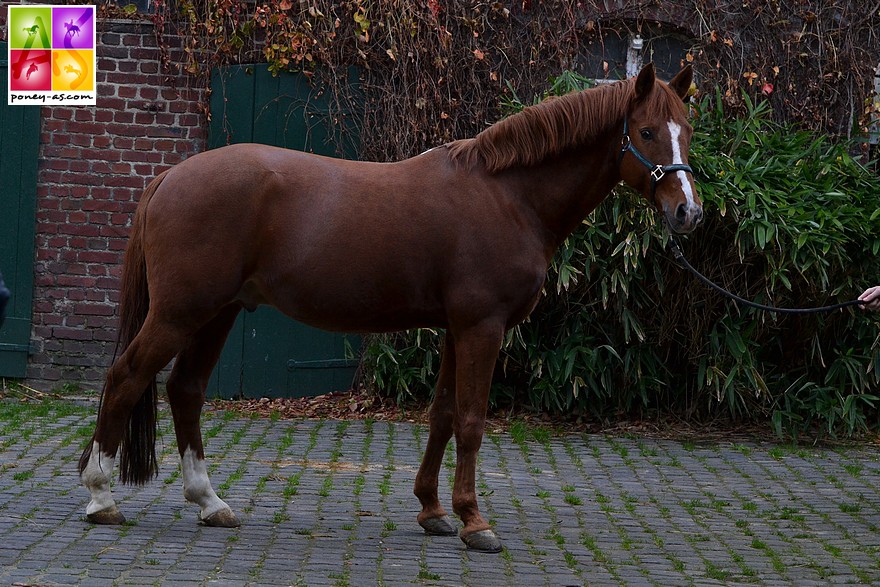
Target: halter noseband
point(658, 172)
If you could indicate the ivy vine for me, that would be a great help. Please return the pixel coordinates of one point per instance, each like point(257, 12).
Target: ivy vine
point(437, 70)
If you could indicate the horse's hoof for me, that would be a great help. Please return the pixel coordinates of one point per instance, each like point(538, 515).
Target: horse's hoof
point(441, 526)
point(108, 517)
point(222, 519)
point(483, 541)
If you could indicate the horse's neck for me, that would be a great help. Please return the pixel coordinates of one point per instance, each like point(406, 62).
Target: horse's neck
point(563, 190)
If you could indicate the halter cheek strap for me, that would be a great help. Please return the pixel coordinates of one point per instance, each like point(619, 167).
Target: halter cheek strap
point(658, 172)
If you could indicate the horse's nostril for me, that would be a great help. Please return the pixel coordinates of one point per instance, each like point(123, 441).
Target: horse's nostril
point(681, 212)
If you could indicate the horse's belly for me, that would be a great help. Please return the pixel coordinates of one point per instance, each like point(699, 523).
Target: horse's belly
point(354, 318)
point(358, 306)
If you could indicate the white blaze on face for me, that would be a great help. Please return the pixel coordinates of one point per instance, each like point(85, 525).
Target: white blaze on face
point(197, 486)
point(675, 136)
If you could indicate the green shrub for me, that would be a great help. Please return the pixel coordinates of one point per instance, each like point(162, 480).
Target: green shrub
point(790, 220)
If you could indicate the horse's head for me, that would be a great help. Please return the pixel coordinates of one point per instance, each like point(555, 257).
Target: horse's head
point(654, 152)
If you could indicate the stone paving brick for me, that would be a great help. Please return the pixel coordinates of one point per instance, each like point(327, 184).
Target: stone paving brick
point(330, 503)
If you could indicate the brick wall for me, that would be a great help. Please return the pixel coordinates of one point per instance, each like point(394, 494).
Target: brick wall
point(94, 164)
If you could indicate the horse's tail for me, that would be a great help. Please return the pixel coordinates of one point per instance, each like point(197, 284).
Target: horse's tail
point(137, 450)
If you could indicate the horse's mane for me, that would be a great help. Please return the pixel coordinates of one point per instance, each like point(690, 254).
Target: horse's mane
point(548, 128)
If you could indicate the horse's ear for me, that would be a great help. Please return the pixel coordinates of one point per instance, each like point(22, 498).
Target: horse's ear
point(681, 83)
point(645, 81)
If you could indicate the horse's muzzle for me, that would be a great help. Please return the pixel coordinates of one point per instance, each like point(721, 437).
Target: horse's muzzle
point(685, 218)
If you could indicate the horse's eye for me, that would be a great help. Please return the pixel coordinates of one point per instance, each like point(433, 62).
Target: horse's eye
point(647, 135)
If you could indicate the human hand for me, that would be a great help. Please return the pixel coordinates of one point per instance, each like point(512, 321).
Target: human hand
point(872, 298)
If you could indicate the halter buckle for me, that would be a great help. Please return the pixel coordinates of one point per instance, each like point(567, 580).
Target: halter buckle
point(657, 173)
point(625, 143)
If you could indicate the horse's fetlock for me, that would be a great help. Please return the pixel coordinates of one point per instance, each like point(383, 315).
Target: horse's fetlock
point(195, 492)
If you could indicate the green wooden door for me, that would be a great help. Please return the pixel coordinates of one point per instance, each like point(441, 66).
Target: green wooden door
point(19, 144)
point(268, 354)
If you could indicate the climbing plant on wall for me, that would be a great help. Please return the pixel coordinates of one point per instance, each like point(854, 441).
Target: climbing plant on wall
point(438, 70)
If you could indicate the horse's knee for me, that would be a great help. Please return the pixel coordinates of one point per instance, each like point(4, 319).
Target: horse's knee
point(469, 435)
point(441, 420)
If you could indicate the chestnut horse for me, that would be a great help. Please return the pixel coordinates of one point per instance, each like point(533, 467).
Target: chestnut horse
point(459, 238)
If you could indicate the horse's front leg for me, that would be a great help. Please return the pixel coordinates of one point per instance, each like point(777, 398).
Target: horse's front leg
point(433, 518)
point(186, 395)
point(476, 350)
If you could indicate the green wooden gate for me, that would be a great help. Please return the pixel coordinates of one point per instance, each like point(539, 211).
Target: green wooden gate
point(19, 145)
point(268, 354)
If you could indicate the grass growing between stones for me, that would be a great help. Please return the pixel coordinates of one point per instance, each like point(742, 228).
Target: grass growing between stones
point(335, 498)
point(504, 463)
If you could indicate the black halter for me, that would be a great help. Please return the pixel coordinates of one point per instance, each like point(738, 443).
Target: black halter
point(658, 172)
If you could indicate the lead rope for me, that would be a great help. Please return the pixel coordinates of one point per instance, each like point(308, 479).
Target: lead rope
point(679, 256)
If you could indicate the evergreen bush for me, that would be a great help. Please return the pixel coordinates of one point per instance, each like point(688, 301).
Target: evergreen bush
point(791, 219)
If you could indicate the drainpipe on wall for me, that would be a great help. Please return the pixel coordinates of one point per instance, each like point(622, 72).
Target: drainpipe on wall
point(634, 55)
point(874, 127)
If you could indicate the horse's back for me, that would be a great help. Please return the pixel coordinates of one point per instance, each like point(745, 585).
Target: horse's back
point(252, 171)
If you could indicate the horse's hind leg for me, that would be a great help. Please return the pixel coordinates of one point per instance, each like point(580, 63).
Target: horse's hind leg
point(186, 394)
point(127, 380)
point(433, 518)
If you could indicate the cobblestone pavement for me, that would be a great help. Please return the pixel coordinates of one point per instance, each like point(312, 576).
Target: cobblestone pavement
point(330, 503)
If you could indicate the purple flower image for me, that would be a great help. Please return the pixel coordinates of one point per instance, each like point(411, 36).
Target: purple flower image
point(73, 27)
